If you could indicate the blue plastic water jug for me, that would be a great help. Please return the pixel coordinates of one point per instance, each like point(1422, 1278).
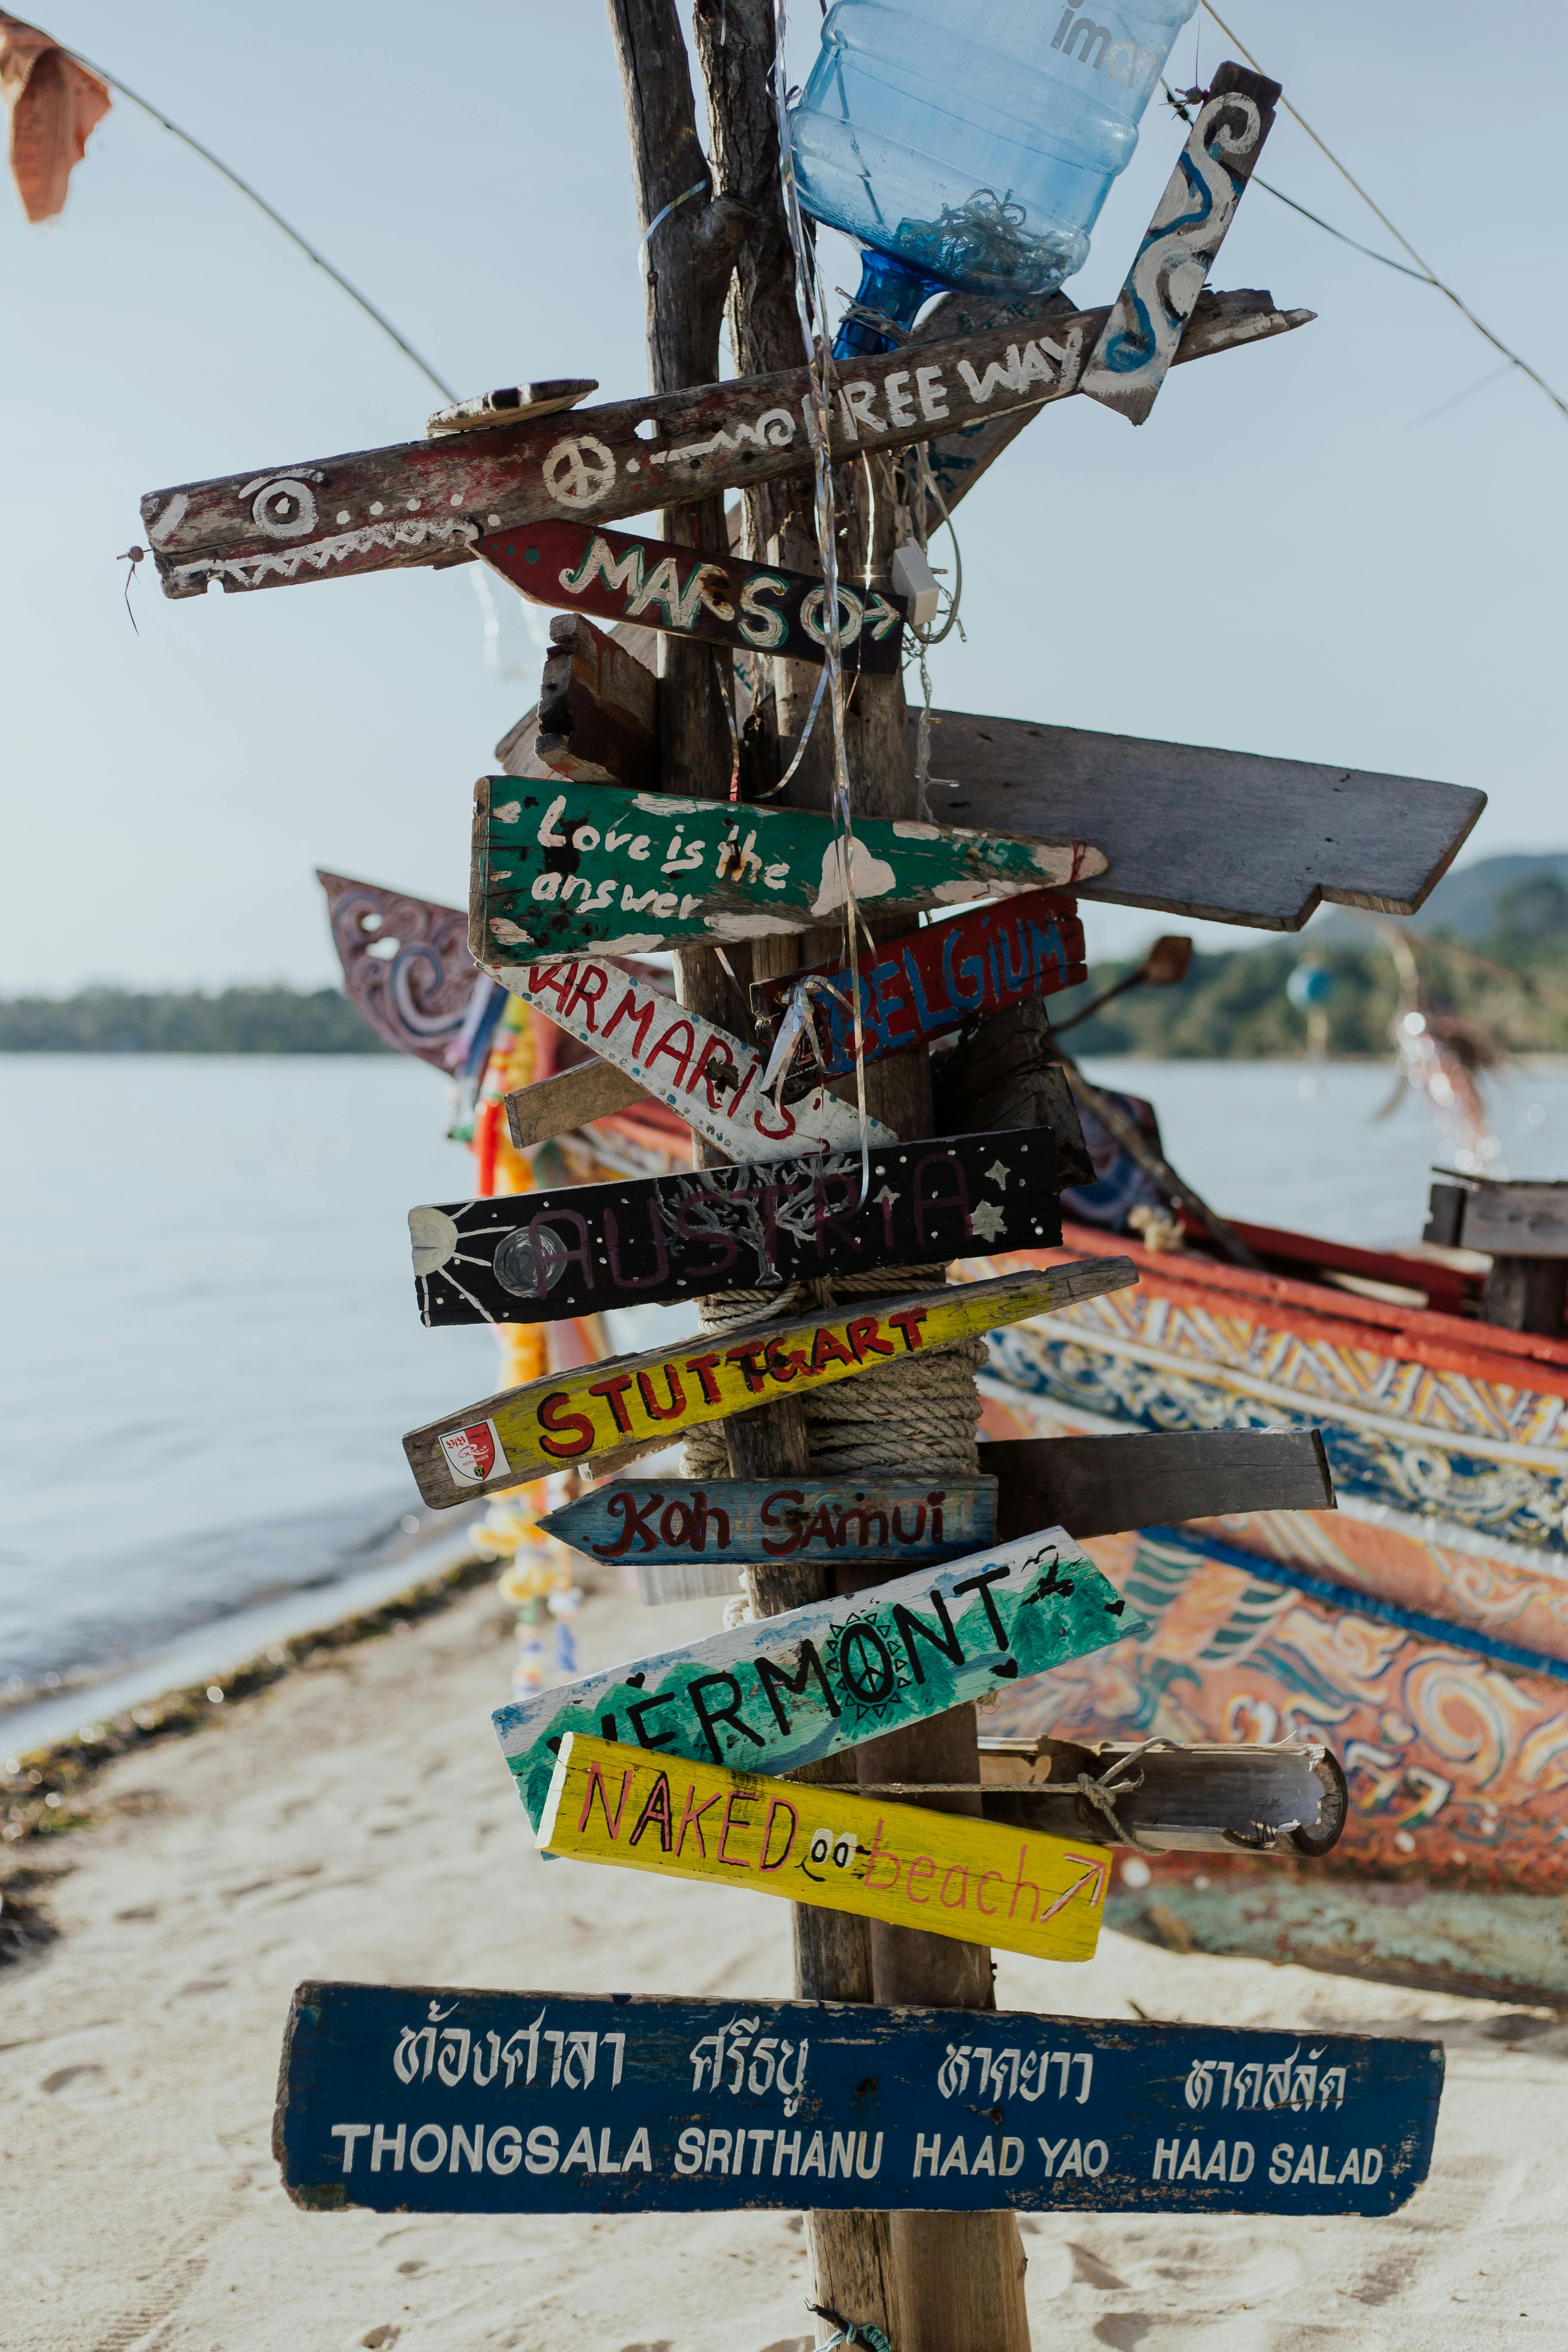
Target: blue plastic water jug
point(972, 142)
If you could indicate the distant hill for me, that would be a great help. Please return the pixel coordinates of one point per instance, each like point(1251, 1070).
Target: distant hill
point(232, 1021)
point(1464, 905)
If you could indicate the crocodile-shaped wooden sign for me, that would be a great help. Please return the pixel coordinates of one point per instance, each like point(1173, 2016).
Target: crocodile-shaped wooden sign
point(565, 868)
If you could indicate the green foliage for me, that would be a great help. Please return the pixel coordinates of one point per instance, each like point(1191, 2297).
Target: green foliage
point(235, 1020)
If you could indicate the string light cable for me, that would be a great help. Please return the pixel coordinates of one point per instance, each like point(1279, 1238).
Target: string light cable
point(1423, 270)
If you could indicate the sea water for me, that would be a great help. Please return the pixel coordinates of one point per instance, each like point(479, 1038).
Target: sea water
point(211, 1345)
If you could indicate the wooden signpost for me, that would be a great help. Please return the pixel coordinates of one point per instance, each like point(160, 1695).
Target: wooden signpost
point(780, 1692)
point(944, 1873)
point(632, 1404)
point(755, 608)
point(424, 2099)
point(680, 1060)
point(1196, 1798)
point(597, 720)
point(563, 867)
point(963, 968)
point(535, 1257)
point(724, 1524)
point(1147, 1479)
point(1143, 335)
point(571, 1099)
point(427, 502)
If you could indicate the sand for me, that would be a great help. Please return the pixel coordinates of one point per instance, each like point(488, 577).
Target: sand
point(355, 1821)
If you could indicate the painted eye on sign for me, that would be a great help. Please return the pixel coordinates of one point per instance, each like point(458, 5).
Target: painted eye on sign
point(631, 1405)
point(960, 969)
point(410, 2098)
point(532, 1257)
point(755, 608)
point(944, 1873)
point(780, 1692)
point(561, 866)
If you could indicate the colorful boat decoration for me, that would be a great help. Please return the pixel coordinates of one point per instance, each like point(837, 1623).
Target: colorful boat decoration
point(1421, 1629)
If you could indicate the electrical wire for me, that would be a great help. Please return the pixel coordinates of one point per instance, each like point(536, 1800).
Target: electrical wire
point(1427, 272)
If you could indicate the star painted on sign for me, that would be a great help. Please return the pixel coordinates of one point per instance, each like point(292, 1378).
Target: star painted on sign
point(886, 1198)
point(998, 1174)
point(987, 1219)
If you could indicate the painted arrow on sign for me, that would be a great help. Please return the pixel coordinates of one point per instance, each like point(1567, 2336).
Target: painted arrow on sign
point(635, 1404)
point(427, 502)
point(424, 2099)
point(960, 969)
point(534, 1257)
point(723, 1524)
point(692, 1065)
point(903, 1865)
point(561, 868)
point(756, 607)
point(781, 1692)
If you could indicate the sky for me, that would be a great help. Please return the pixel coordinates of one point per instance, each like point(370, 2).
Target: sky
point(1294, 556)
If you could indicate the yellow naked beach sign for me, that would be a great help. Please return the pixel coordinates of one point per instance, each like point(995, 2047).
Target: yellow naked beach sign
point(630, 1403)
point(948, 1873)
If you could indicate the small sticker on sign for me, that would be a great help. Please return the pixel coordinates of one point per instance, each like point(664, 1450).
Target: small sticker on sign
point(475, 1454)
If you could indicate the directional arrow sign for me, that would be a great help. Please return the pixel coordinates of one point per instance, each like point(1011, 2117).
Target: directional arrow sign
point(725, 1523)
point(785, 1691)
point(564, 868)
point(946, 1873)
point(757, 608)
point(427, 502)
point(695, 1067)
point(960, 969)
point(534, 1257)
point(419, 2099)
point(634, 1403)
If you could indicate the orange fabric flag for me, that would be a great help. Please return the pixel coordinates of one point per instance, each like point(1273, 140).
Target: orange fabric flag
point(54, 105)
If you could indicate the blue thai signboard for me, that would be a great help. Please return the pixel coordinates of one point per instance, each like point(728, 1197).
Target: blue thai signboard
point(400, 2098)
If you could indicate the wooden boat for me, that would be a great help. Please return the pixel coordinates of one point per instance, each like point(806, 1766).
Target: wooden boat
point(1421, 1629)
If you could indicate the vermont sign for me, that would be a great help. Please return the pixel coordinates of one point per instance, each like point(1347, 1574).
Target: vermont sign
point(754, 608)
point(942, 1874)
point(781, 1692)
point(730, 1522)
point(411, 2098)
point(960, 969)
point(429, 501)
point(532, 1257)
point(698, 1068)
point(560, 866)
point(632, 1404)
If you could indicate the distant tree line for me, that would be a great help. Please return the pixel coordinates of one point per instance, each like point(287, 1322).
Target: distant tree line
point(232, 1021)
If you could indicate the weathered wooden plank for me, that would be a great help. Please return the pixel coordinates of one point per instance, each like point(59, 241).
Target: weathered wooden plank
point(559, 1106)
point(589, 869)
point(713, 1079)
point(1193, 1799)
point(597, 716)
point(1141, 338)
point(873, 1859)
point(511, 405)
point(727, 1523)
point(425, 502)
point(1105, 1486)
point(425, 2098)
point(1223, 836)
point(1516, 1220)
point(1004, 1074)
point(535, 1258)
point(963, 968)
point(781, 1692)
point(753, 607)
point(642, 1400)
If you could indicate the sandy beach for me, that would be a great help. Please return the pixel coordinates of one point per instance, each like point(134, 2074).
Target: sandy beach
point(355, 1821)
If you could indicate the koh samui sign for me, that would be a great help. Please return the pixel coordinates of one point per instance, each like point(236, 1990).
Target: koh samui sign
point(674, 1522)
point(531, 1258)
point(780, 1692)
point(698, 1068)
point(944, 1874)
point(560, 866)
point(957, 970)
point(631, 1405)
point(410, 2098)
point(757, 608)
